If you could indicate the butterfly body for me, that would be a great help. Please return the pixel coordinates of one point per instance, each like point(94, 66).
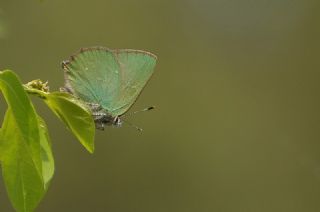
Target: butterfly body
point(108, 81)
point(102, 118)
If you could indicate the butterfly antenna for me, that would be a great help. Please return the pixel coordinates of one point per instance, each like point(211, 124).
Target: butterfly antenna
point(132, 125)
point(130, 114)
point(138, 111)
point(146, 109)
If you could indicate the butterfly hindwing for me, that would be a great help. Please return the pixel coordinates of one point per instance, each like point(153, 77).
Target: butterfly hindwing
point(110, 78)
point(136, 68)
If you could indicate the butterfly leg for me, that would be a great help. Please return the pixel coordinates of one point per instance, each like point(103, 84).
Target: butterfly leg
point(65, 90)
point(99, 125)
point(98, 118)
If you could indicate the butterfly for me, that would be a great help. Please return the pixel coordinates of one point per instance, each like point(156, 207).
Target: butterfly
point(108, 81)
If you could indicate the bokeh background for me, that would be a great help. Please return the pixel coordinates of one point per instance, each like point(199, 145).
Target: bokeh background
point(237, 124)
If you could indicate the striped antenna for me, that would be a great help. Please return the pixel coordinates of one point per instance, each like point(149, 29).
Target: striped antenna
point(130, 114)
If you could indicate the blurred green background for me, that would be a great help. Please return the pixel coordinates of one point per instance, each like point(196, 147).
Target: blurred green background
point(237, 124)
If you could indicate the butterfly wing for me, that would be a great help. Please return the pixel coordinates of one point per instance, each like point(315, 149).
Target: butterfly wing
point(92, 75)
point(110, 78)
point(135, 69)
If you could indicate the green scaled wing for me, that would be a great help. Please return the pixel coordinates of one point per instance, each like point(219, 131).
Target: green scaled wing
point(110, 78)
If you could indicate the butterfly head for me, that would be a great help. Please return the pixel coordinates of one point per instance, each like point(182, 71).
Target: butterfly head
point(117, 121)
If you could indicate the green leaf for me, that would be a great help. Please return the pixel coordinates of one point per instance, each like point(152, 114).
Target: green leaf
point(25, 151)
point(77, 117)
point(24, 113)
point(23, 182)
point(46, 153)
point(71, 111)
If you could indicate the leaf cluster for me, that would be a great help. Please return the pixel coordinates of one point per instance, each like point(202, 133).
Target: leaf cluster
point(25, 149)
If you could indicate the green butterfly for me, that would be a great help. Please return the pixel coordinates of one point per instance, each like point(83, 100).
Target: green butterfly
point(108, 81)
